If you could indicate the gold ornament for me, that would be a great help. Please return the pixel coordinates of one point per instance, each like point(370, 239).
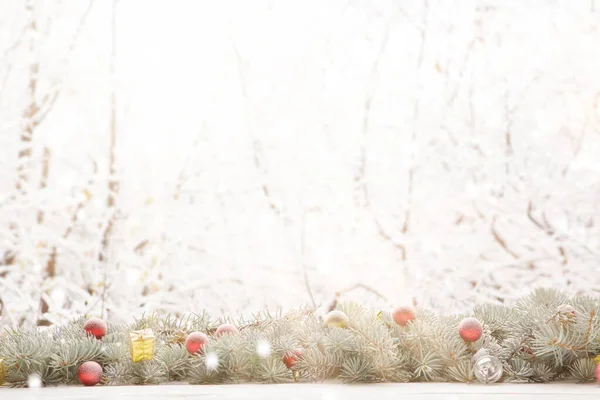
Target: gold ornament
point(2, 371)
point(597, 359)
point(142, 345)
point(337, 318)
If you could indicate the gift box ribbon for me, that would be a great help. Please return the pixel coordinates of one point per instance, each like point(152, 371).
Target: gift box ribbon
point(142, 335)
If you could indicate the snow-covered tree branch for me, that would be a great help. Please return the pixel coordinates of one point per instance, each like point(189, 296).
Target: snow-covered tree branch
point(274, 153)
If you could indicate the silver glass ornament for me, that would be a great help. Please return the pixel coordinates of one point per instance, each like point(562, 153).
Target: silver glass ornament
point(487, 368)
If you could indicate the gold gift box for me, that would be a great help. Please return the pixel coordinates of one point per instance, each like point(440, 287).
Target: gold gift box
point(142, 345)
point(2, 371)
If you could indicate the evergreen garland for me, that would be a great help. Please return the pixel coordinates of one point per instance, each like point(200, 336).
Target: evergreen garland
point(545, 336)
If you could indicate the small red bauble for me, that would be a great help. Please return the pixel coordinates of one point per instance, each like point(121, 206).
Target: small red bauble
point(96, 327)
point(470, 329)
point(403, 314)
point(597, 373)
point(90, 373)
point(291, 357)
point(195, 341)
point(226, 329)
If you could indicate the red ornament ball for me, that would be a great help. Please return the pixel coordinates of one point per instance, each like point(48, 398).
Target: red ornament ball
point(403, 314)
point(597, 373)
point(291, 357)
point(90, 373)
point(195, 341)
point(96, 327)
point(226, 329)
point(470, 329)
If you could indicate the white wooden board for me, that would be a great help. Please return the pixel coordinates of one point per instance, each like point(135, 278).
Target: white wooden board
point(418, 391)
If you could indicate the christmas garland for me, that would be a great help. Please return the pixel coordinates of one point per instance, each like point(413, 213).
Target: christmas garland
point(545, 336)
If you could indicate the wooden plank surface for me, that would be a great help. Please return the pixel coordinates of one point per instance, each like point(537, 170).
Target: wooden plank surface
point(418, 391)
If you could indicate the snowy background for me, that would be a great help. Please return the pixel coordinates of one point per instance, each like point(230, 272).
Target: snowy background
point(231, 155)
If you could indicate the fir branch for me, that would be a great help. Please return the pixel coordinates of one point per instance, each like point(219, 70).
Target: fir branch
point(119, 373)
point(149, 373)
point(583, 369)
point(388, 368)
point(201, 374)
point(427, 365)
point(274, 371)
point(339, 342)
point(518, 370)
point(73, 353)
point(176, 360)
point(356, 369)
point(462, 372)
point(532, 340)
point(318, 366)
point(542, 373)
point(113, 352)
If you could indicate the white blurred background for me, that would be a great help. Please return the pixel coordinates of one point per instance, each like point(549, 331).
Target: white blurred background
point(233, 155)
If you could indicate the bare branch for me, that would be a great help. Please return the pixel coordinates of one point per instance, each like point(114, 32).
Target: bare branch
point(415, 119)
point(113, 186)
point(507, 131)
point(500, 240)
point(35, 113)
point(532, 218)
point(360, 177)
point(303, 253)
point(44, 179)
point(397, 244)
point(361, 286)
point(51, 263)
point(548, 229)
point(46, 106)
point(256, 146)
point(26, 134)
point(140, 246)
point(50, 99)
point(342, 292)
point(181, 177)
point(16, 43)
point(81, 25)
